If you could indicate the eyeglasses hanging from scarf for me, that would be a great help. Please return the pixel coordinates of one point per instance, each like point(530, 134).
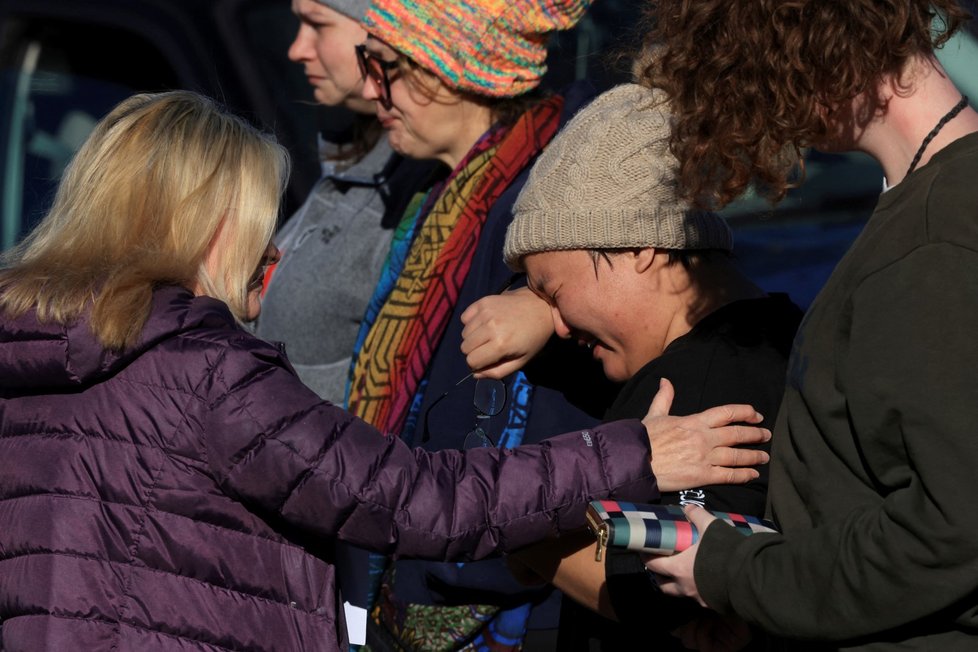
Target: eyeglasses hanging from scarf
point(488, 399)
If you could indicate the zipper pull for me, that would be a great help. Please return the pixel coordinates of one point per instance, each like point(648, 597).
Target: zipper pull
point(602, 543)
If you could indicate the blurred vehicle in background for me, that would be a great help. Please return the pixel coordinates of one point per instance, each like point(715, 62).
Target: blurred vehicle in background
point(63, 65)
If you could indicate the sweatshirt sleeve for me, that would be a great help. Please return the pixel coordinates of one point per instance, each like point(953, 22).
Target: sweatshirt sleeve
point(909, 552)
point(273, 444)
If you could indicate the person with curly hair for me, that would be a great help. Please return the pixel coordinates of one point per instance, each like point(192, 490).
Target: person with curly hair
point(874, 445)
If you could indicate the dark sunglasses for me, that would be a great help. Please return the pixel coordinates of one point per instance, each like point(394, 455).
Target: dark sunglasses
point(376, 69)
point(488, 399)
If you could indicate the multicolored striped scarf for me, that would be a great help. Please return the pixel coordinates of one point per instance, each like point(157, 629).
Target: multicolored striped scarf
point(397, 349)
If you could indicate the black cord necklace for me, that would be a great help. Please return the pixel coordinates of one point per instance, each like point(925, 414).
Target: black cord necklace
point(933, 132)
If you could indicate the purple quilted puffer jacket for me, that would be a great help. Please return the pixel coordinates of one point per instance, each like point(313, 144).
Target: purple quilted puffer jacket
point(186, 495)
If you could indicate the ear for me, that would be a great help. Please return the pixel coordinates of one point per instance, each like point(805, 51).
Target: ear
point(645, 258)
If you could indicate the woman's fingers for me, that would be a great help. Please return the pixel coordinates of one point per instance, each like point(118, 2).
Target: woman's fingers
point(735, 457)
point(662, 401)
point(726, 414)
point(687, 453)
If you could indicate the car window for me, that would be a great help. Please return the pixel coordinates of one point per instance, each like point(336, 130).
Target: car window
point(59, 76)
point(57, 81)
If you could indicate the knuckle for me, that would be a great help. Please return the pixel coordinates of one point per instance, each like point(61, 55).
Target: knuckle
point(747, 434)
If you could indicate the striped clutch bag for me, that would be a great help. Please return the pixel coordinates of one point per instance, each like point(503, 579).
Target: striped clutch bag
point(655, 529)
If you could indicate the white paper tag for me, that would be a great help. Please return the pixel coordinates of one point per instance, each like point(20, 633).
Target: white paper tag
point(356, 623)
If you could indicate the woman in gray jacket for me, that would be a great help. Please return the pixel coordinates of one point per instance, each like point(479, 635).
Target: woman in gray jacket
point(168, 483)
point(335, 245)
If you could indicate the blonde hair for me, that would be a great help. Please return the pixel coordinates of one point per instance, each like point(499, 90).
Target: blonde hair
point(160, 181)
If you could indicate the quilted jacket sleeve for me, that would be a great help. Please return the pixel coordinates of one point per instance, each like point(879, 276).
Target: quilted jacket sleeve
point(273, 444)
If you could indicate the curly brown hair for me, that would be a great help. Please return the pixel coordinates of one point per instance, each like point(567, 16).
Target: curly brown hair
point(753, 82)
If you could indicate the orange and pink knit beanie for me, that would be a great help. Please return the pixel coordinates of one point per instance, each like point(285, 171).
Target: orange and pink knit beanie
point(496, 48)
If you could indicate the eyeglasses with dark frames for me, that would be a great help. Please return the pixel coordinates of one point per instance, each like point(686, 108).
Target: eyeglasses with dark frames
point(376, 69)
point(488, 399)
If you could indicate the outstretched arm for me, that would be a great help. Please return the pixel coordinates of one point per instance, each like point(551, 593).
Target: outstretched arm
point(273, 444)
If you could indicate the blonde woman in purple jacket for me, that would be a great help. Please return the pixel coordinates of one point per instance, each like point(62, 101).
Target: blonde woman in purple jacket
point(167, 482)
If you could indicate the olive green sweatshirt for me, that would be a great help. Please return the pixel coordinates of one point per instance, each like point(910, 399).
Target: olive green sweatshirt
point(874, 475)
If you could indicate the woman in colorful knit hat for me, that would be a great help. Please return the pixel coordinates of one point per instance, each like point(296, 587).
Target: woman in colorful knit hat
point(349, 218)
point(457, 82)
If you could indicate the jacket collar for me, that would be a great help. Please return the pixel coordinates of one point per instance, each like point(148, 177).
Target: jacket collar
point(55, 356)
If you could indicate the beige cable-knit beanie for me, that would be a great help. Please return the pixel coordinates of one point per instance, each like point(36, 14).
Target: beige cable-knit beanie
point(608, 181)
